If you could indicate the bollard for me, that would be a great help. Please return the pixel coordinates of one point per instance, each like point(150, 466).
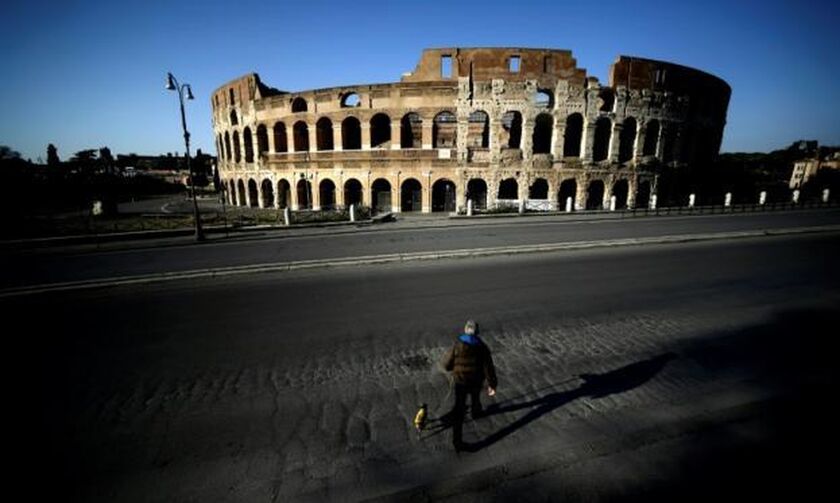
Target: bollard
point(569, 204)
point(796, 196)
point(612, 203)
point(762, 197)
point(352, 212)
point(691, 199)
point(826, 193)
point(653, 201)
point(287, 216)
point(521, 206)
point(469, 207)
point(727, 202)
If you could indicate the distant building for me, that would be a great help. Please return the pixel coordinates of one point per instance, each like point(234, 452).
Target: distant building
point(808, 168)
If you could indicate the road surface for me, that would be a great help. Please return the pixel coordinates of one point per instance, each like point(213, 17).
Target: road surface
point(698, 371)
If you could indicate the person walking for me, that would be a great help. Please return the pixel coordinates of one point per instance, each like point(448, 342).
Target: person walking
point(471, 364)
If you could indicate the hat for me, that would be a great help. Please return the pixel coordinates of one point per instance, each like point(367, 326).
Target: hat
point(471, 327)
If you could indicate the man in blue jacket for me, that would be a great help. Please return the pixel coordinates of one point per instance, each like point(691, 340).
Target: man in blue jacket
point(471, 365)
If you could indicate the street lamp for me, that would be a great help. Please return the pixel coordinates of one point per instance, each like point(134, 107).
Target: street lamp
point(172, 85)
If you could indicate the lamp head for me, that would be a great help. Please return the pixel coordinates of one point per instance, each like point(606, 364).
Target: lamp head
point(170, 82)
point(189, 92)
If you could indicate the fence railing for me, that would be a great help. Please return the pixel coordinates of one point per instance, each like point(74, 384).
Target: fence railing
point(553, 207)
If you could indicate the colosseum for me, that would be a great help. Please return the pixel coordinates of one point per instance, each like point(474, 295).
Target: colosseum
point(493, 126)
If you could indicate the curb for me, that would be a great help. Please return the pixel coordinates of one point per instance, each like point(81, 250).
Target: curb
point(403, 257)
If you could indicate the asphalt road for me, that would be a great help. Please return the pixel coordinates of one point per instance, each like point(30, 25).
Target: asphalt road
point(662, 373)
point(43, 266)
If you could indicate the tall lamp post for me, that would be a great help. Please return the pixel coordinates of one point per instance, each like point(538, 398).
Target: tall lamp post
point(172, 85)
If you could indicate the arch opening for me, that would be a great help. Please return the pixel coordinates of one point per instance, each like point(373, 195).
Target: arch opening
point(477, 193)
point(380, 196)
point(411, 196)
point(411, 131)
point(351, 134)
point(443, 196)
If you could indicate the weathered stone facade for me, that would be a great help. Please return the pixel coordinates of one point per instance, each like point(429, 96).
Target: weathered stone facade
point(495, 125)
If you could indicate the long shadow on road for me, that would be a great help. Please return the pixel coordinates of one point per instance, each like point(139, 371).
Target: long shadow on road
point(594, 385)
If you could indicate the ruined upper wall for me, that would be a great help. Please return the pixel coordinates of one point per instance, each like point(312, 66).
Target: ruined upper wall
point(240, 91)
point(495, 63)
point(708, 95)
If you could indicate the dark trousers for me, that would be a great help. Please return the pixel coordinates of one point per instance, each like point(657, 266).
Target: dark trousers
point(461, 392)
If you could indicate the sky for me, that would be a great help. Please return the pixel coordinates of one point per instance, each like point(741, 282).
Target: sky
point(91, 73)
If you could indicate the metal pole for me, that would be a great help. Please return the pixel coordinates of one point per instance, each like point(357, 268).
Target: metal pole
point(199, 234)
point(175, 85)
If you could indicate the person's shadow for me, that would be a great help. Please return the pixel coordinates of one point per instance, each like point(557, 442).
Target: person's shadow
point(594, 385)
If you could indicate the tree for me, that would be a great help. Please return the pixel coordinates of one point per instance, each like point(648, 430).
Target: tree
point(6, 153)
point(106, 159)
point(52, 155)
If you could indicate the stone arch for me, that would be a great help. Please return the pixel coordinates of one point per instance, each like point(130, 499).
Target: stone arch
point(299, 105)
point(380, 131)
point(512, 124)
point(508, 189)
point(411, 131)
point(601, 147)
point(353, 192)
point(568, 188)
point(478, 132)
point(262, 139)
point(380, 195)
point(411, 195)
point(300, 132)
point(595, 195)
point(253, 194)
point(234, 121)
point(543, 99)
point(324, 134)
point(444, 130)
point(606, 97)
point(227, 147)
point(248, 140)
point(267, 194)
point(627, 140)
point(477, 192)
point(443, 195)
point(326, 193)
point(280, 142)
point(538, 189)
point(351, 134)
point(237, 154)
point(350, 100)
point(643, 195)
point(284, 194)
point(543, 129)
point(669, 141)
point(620, 191)
point(304, 194)
point(219, 147)
point(232, 189)
point(573, 135)
point(651, 138)
point(241, 200)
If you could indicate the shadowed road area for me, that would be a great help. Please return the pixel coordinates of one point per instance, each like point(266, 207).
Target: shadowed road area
point(659, 373)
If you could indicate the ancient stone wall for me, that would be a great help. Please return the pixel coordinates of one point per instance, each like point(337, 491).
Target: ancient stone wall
point(500, 126)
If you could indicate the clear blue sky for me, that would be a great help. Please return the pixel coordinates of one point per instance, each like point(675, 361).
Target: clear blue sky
point(90, 73)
